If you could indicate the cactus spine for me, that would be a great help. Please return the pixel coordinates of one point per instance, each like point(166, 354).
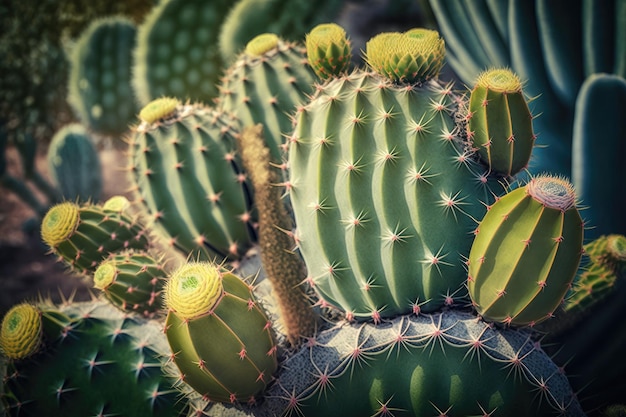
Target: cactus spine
point(220, 337)
point(526, 253)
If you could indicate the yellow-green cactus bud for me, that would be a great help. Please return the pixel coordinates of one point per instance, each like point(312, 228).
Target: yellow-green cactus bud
point(413, 56)
point(21, 331)
point(117, 203)
point(501, 80)
point(261, 44)
point(158, 109)
point(328, 50)
point(193, 290)
point(59, 223)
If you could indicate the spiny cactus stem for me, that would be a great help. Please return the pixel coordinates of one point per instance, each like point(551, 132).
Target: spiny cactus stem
point(284, 269)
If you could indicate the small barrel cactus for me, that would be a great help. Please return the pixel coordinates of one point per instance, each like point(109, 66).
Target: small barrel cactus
point(74, 164)
point(220, 337)
point(500, 123)
point(132, 281)
point(328, 50)
point(85, 359)
point(189, 179)
point(84, 235)
point(526, 253)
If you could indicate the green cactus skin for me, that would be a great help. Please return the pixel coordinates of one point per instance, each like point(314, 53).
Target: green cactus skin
point(220, 338)
point(448, 364)
point(74, 164)
point(132, 281)
point(266, 86)
point(188, 177)
point(605, 268)
point(526, 253)
point(94, 361)
point(100, 90)
point(328, 50)
point(176, 53)
point(384, 195)
point(290, 19)
point(84, 235)
point(500, 122)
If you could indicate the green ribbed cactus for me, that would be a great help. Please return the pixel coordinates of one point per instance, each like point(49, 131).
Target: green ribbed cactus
point(132, 281)
point(85, 359)
point(500, 123)
point(220, 337)
point(74, 164)
point(526, 253)
point(176, 53)
point(100, 90)
point(385, 192)
point(328, 50)
point(265, 85)
point(84, 235)
point(189, 179)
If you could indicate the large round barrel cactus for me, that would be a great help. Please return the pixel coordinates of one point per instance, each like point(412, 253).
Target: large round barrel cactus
point(100, 90)
point(385, 191)
point(89, 359)
point(189, 179)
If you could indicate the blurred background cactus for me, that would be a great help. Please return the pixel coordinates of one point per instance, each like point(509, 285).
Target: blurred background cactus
point(367, 221)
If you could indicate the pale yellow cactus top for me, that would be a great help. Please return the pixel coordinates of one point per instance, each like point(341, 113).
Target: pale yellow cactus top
point(261, 44)
point(21, 332)
point(158, 109)
point(499, 79)
point(193, 290)
point(59, 223)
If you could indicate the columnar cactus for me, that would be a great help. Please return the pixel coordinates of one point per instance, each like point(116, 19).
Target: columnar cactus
point(85, 359)
point(100, 90)
point(132, 281)
point(220, 337)
point(526, 253)
point(385, 192)
point(188, 177)
point(74, 164)
point(84, 235)
point(265, 84)
point(500, 123)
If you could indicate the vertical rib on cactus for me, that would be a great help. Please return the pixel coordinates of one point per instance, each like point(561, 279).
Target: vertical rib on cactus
point(284, 268)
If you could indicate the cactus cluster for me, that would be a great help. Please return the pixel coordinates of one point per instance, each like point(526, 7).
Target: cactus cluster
point(410, 271)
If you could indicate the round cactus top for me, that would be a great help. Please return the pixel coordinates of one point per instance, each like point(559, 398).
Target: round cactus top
point(117, 203)
point(59, 223)
point(328, 49)
point(413, 56)
point(616, 245)
point(158, 109)
point(553, 192)
point(193, 290)
point(21, 332)
point(261, 44)
point(105, 275)
point(499, 79)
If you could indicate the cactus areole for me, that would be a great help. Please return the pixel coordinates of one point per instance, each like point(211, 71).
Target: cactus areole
point(526, 253)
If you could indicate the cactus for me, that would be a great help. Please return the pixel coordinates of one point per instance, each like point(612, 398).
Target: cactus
point(328, 50)
point(100, 90)
point(500, 125)
point(266, 83)
point(385, 193)
point(442, 364)
point(132, 281)
point(74, 164)
point(176, 53)
point(84, 235)
point(89, 359)
point(220, 337)
point(526, 253)
point(188, 177)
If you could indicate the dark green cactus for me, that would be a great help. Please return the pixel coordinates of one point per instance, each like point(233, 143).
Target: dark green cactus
point(100, 90)
point(220, 337)
point(526, 253)
point(132, 281)
point(188, 177)
point(500, 123)
point(89, 359)
point(385, 193)
point(176, 53)
point(84, 235)
point(265, 85)
point(74, 164)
